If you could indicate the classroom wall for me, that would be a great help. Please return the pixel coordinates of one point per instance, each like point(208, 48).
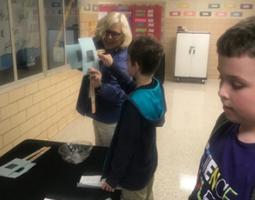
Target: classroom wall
point(202, 15)
point(197, 15)
point(38, 107)
point(215, 26)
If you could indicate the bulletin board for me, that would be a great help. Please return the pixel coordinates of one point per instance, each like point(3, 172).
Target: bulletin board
point(143, 19)
point(146, 20)
point(209, 9)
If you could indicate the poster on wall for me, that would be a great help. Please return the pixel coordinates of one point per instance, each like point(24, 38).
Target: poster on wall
point(146, 20)
point(143, 19)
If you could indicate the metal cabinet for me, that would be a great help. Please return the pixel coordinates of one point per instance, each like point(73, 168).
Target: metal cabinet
point(191, 56)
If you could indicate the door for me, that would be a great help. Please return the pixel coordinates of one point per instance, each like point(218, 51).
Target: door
point(199, 55)
point(183, 55)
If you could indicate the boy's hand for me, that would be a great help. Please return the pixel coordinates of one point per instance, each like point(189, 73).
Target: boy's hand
point(95, 77)
point(107, 187)
point(106, 59)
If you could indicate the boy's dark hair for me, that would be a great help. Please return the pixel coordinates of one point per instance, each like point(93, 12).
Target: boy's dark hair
point(238, 40)
point(147, 52)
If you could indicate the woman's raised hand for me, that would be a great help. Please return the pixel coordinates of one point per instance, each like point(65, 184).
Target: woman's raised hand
point(106, 59)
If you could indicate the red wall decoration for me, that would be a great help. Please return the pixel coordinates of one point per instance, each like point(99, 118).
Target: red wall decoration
point(144, 19)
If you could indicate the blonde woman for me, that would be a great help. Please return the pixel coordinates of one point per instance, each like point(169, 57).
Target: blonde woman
point(113, 34)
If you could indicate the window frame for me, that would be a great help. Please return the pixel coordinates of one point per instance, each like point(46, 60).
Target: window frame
point(43, 44)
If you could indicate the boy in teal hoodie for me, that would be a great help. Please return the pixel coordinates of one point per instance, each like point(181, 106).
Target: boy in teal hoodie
point(132, 158)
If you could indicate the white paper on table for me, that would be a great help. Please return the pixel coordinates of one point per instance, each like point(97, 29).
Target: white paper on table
point(90, 181)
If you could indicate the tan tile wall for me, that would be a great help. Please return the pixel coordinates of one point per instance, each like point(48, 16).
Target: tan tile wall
point(87, 23)
point(39, 108)
point(215, 25)
point(42, 107)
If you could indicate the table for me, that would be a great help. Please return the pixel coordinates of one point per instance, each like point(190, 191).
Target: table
point(52, 177)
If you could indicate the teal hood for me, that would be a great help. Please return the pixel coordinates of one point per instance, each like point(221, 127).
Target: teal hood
point(150, 102)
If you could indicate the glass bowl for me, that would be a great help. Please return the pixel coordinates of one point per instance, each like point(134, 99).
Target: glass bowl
point(75, 152)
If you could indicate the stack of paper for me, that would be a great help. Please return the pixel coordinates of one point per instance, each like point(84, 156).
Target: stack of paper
point(90, 181)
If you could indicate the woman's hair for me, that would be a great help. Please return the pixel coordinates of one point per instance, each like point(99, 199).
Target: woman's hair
point(238, 40)
point(110, 19)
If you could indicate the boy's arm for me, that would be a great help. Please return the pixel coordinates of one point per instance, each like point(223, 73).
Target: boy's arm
point(118, 69)
point(125, 81)
point(111, 93)
point(128, 133)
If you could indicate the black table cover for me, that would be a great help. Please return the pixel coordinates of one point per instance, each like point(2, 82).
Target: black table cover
point(52, 177)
